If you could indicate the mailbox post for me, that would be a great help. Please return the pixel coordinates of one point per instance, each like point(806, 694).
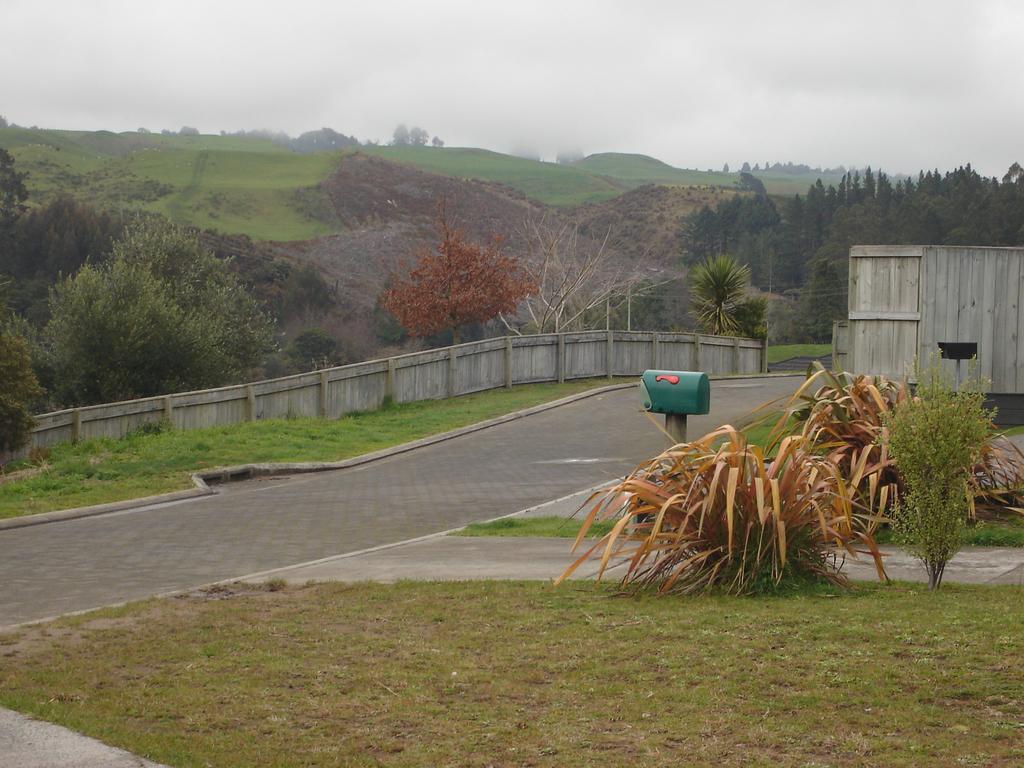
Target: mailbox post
point(677, 394)
point(959, 351)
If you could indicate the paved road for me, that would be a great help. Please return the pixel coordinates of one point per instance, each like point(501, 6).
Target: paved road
point(254, 526)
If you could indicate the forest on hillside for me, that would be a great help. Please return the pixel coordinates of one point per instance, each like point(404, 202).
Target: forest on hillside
point(797, 248)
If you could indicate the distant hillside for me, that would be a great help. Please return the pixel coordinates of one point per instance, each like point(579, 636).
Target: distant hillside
point(258, 187)
point(234, 185)
point(637, 170)
point(388, 211)
point(548, 183)
point(644, 224)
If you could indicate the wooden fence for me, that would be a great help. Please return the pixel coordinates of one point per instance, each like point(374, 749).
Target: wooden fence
point(429, 375)
point(840, 344)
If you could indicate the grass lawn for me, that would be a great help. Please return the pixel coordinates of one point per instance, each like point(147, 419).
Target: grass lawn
point(104, 470)
point(567, 527)
point(780, 352)
point(513, 674)
point(1008, 532)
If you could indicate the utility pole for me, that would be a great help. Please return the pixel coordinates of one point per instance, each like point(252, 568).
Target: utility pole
point(629, 307)
point(608, 312)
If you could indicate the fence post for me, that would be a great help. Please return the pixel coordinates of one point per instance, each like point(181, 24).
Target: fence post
point(696, 352)
point(389, 381)
point(608, 355)
point(736, 354)
point(250, 403)
point(76, 425)
point(168, 409)
point(508, 362)
point(835, 339)
point(324, 392)
point(764, 355)
point(561, 358)
point(451, 371)
point(655, 357)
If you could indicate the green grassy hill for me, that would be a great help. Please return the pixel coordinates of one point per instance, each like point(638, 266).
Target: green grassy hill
point(636, 170)
point(255, 187)
point(233, 185)
point(546, 182)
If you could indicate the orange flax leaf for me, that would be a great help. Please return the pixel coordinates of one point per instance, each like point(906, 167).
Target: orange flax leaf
point(582, 559)
point(587, 522)
point(776, 500)
point(656, 527)
point(762, 514)
point(730, 500)
point(612, 535)
point(683, 566)
point(876, 555)
point(877, 397)
point(821, 520)
point(781, 543)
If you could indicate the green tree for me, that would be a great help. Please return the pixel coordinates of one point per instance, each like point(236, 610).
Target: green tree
point(751, 317)
point(718, 287)
point(12, 200)
point(18, 388)
point(935, 439)
point(53, 240)
point(822, 301)
point(162, 314)
point(313, 349)
point(305, 293)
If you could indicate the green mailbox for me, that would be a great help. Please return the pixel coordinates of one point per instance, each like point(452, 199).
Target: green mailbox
point(682, 392)
point(677, 394)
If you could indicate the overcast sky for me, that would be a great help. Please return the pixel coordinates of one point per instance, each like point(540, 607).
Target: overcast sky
point(902, 85)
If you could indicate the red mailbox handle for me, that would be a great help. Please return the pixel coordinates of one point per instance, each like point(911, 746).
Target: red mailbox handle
point(669, 379)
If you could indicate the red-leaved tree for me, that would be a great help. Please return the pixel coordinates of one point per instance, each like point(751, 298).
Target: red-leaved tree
point(459, 282)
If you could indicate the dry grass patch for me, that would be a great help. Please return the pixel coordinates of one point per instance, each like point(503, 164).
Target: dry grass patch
point(511, 674)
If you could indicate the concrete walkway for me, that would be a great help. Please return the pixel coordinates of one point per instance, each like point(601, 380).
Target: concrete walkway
point(258, 525)
point(27, 743)
point(456, 558)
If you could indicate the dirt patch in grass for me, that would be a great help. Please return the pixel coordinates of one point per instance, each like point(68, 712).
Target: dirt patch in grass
point(512, 674)
point(20, 474)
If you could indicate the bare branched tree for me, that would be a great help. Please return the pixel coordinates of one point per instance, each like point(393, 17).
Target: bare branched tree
point(574, 275)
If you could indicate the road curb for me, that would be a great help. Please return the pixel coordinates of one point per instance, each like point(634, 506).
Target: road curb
point(201, 481)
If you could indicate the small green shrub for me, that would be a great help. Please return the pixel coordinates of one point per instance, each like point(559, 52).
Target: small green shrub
point(936, 439)
point(152, 428)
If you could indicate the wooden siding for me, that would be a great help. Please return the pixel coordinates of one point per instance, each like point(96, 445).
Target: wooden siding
point(429, 375)
point(884, 310)
point(977, 298)
point(840, 344)
point(966, 294)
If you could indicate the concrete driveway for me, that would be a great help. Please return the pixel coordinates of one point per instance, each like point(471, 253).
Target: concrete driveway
point(254, 526)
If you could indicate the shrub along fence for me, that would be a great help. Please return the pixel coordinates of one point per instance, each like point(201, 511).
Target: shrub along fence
point(429, 375)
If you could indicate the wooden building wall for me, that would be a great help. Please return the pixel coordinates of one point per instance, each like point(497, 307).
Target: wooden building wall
point(906, 299)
